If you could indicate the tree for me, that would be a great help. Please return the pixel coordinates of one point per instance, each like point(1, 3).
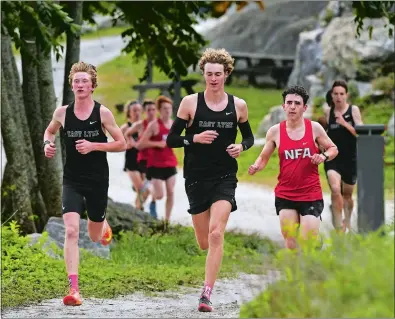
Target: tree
point(374, 10)
point(31, 188)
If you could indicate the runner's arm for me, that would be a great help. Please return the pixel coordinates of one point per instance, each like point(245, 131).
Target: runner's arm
point(356, 115)
point(108, 121)
point(134, 128)
point(268, 149)
point(324, 142)
point(54, 125)
point(244, 125)
point(174, 138)
point(145, 142)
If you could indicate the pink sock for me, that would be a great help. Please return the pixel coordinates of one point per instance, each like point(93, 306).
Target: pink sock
point(207, 290)
point(73, 281)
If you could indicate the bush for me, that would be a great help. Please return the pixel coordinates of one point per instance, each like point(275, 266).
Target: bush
point(384, 83)
point(353, 277)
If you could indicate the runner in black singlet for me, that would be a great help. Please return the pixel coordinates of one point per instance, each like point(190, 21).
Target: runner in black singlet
point(211, 119)
point(86, 173)
point(342, 171)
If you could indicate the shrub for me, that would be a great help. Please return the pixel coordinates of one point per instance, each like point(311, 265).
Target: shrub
point(384, 83)
point(353, 277)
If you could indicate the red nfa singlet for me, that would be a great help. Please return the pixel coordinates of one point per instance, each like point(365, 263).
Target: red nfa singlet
point(299, 179)
point(144, 154)
point(161, 157)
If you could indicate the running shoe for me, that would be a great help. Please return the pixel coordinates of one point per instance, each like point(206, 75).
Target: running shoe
point(107, 237)
point(73, 298)
point(204, 304)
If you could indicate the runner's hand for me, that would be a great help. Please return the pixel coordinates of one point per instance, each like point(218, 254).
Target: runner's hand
point(253, 169)
point(84, 146)
point(50, 150)
point(206, 137)
point(234, 150)
point(317, 159)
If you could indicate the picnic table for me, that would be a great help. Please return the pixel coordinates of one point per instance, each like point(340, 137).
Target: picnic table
point(171, 89)
point(278, 66)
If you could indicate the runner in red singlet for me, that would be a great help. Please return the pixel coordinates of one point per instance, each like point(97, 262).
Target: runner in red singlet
point(298, 194)
point(143, 155)
point(161, 163)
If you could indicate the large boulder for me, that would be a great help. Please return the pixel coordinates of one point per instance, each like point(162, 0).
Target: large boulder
point(276, 115)
point(332, 51)
point(273, 31)
point(56, 232)
point(121, 217)
point(126, 217)
point(308, 60)
point(355, 58)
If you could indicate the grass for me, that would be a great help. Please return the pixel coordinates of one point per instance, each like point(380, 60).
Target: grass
point(116, 78)
point(353, 277)
point(148, 263)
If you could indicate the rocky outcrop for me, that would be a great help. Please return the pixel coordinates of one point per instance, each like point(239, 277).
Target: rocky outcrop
point(332, 51)
point(273, 31)
point(308, 58)
point(121, 217)
point(56, 232)
point(275, 116)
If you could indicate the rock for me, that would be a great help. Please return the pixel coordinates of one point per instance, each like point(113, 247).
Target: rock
point(120, 217)
point(316, 89)
point(35, 237)
point(308, 58)
point(273, 31)
point(363, 88)
point(355, 58)
point(56, 231)
point(126, 217)
point(390, 126)
point(275, 116)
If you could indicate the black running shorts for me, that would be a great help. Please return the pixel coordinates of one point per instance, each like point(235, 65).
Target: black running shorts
point(80, 198)
point(163, 173)
point(346, 169)
point(303, 208)
point(131, 163)
point(142, 166)
point(202, 194)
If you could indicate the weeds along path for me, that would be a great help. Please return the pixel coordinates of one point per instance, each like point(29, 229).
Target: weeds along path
point(227, 297)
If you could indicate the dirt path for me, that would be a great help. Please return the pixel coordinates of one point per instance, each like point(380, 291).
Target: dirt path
point(228, 295)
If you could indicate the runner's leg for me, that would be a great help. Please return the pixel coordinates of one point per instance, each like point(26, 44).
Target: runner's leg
point(289, 222)
point(170, 184)
point(334, 180)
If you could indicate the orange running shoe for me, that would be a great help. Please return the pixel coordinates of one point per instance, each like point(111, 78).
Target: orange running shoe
point(73, 298)
point(107, 237)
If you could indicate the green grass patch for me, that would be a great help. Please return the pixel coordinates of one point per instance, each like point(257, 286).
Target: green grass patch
point(352, 278)
point(145, 262)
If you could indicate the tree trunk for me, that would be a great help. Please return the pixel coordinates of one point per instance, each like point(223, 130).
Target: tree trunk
point(14, 95)
point(18, 191)
point(72, 56)
point(51, 181)
point(31, 98)
point(72, 50)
